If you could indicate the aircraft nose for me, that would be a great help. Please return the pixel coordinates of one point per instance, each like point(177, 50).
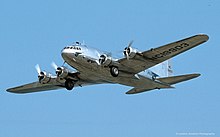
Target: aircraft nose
point(64, 52)
point(67, 53)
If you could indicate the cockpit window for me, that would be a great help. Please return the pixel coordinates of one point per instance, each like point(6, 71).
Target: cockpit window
point(76, 48)
point(73, 47)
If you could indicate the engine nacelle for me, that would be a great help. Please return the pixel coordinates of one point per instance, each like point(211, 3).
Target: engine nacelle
point(44, 78)
point(105, 60)
point(62, 72)
point(130, 52)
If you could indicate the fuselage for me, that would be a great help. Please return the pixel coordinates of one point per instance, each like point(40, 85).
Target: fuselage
point(87, 61)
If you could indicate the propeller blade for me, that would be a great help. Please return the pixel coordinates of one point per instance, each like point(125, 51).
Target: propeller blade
point(37, 67)
point(131, 42)
point(54, 65)
point(127, 56)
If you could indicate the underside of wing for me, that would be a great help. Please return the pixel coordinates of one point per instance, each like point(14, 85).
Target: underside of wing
point(152, 57)
point(38, 87)
point(34, 87)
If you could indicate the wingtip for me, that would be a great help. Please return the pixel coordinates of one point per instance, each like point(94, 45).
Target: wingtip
point(12, 90)
point(9, 90)
point(128, 93)
point(205, 36)
point(197, 75)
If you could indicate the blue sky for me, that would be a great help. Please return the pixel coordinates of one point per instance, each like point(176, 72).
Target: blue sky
point(33, 32)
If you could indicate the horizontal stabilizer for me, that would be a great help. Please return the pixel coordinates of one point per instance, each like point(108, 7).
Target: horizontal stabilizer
point(137, 90)
point(177, 79)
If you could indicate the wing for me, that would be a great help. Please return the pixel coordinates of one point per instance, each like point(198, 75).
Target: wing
point(144, 60)
point(34, 87)
point(53, 85)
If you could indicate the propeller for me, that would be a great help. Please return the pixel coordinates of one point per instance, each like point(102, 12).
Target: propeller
point(58, 69)
point(41, 74)
point(54, 65)
point(131, 42)
point(37, 67)
point(127, 50)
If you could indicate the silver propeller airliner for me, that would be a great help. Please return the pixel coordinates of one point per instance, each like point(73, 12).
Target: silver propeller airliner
point(143, 71)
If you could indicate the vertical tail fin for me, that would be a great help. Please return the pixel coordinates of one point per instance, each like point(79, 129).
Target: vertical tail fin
point(170, 68)
point(163, 69)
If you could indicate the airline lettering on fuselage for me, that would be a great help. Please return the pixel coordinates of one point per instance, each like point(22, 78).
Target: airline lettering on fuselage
point(171, 50)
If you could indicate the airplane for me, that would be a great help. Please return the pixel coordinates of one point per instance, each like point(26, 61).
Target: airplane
point(143, 71)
